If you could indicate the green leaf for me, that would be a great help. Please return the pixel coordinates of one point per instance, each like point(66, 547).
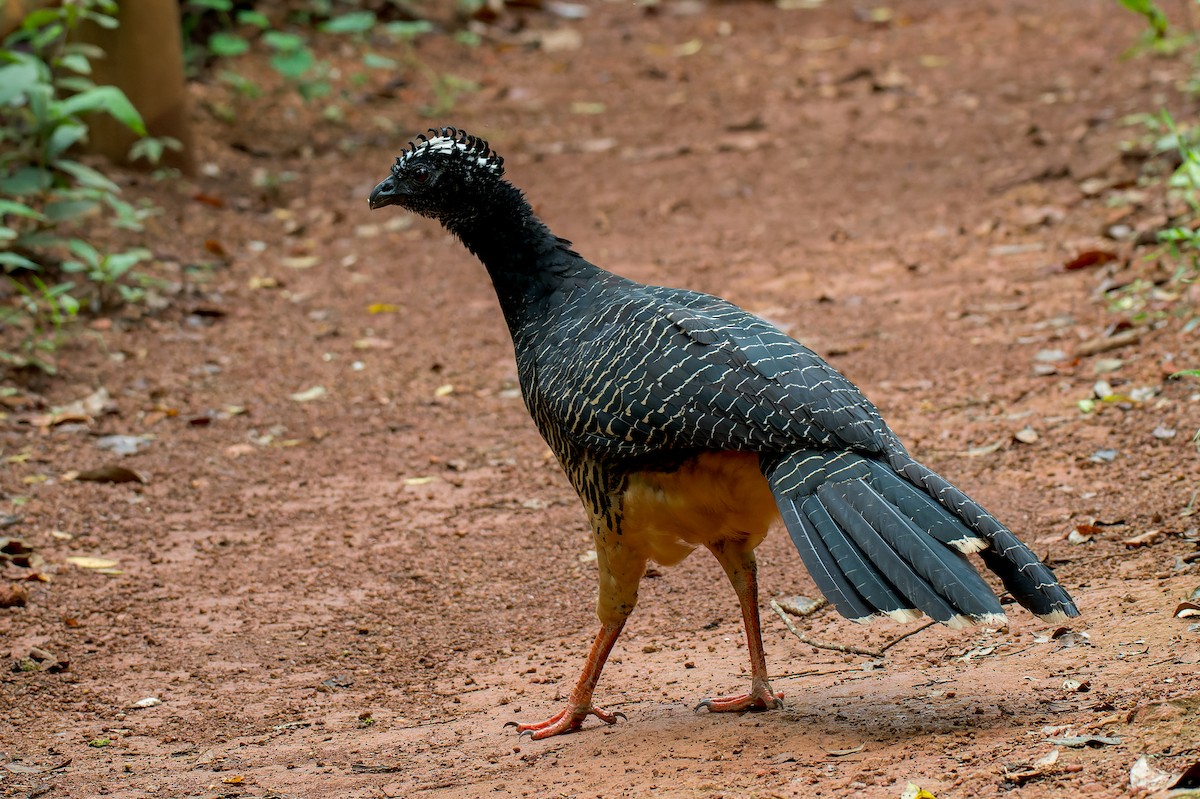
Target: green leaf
point(18, 209)
point(354, 22)
point(90, 255)
point(40, 19)
point(408, 30)
point(74, 83)
point(86, 175)
point(119, 263)
point(285, 42)
point(76, 62)
point(103, 98)
point(65, 135)
point(26, 180)
point(292, 64)
point(215, 5)
point(89, 51)
point(103, 20)
point(11, 261)
point(377, 61)
point(66, 210)
point(227, 45)
point(17, 79)
point(254, 18)
point(1187, 373)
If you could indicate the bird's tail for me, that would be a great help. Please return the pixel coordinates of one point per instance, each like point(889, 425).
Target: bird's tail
point(891, 537)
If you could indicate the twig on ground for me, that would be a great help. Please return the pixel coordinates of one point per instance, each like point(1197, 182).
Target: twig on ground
point(853, 650)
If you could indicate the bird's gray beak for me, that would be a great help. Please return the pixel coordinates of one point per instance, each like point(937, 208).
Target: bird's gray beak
point(386, 193)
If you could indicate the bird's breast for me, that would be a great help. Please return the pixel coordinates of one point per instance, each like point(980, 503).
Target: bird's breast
point(711, 497)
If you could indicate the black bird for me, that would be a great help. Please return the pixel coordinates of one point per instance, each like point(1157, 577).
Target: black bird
point(683, 421)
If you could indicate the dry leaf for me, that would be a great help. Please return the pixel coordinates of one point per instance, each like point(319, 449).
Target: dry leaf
point(914, 791)
point(1089, 258)
point(844, 752)
point(1187, 610)
point(110, 474)
point(1144, 776)
point(87, 562)
point(1145, 539)
point(309, 394)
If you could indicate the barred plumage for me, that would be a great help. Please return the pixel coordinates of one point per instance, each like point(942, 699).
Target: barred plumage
point(683, 421)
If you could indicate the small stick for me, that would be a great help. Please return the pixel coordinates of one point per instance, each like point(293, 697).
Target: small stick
point(853, 650)
point(900, 638)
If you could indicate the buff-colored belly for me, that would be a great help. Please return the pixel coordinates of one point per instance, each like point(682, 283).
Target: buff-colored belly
point(713, 497)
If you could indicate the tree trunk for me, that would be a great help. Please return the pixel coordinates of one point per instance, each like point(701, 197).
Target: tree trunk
point(144, 58)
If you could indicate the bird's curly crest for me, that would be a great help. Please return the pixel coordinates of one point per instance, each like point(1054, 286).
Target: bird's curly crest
point(453, 143)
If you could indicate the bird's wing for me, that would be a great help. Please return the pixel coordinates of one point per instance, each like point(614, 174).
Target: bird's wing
point(664, 369)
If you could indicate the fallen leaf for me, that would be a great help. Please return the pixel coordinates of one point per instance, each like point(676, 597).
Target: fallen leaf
point(801, 605)
point(418, 481)
point(382, 307)
point(88, 562)
point(300, 261)
point(986, 449)
point(1089, 258)
point(1144, 776)
point(216, 248)
point(149, 701)
point(1187, 610)
point(123, 445)
point(1026, 435)
point(110, 474)
point(1080, 741)
point(235, 779)
point(1145, 539)
point(443, 390)
point(372, 343)
point(844, 752)
point(309, 394)
point(914, 791)
point(1068, 638)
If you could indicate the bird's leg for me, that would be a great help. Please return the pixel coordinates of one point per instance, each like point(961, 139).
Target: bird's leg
point(742, 570)
point(579, 705)
point(620, 573)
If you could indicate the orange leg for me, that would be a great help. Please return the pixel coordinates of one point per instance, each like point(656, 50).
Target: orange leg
point(742, 570)
point(579, 705)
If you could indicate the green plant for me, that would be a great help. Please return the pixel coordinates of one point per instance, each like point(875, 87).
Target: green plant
point(1160, 36)
point(292, 56)
point(48, 199)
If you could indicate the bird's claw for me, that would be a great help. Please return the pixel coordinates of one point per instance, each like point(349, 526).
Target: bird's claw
point(757, 701)
point(569, 719)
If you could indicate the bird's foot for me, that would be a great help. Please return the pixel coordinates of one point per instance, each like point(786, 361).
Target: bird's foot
point(569, 719)
point(757, 699)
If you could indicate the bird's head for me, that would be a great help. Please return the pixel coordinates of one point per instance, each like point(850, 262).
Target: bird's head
point(435, 174)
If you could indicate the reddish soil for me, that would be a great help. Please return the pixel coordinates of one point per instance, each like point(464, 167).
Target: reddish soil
point(349, 596)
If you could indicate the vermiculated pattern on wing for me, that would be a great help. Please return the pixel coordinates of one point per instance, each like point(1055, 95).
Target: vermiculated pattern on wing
point(639, 375)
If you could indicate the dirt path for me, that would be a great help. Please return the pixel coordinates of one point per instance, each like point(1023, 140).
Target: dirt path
point(348, 594)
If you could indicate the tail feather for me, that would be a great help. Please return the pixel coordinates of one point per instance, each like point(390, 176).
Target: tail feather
point(938, 569)
point(868, 584)
point(925, 513)
point(901, 574)
point(884, 541)
point(1028, 579)
point(822, 565)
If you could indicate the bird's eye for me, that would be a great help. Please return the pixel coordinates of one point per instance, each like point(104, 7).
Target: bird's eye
point(420, 174)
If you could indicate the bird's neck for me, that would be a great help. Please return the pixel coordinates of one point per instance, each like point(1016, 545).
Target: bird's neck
point(526, 261)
